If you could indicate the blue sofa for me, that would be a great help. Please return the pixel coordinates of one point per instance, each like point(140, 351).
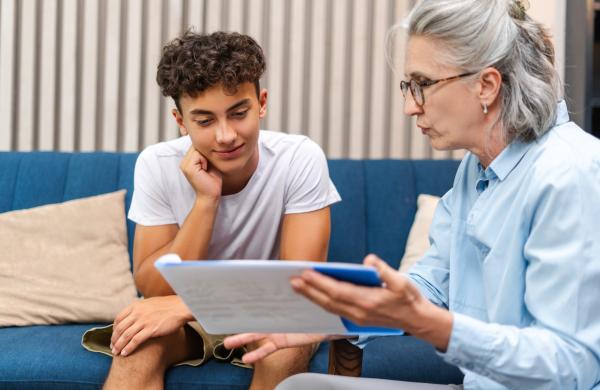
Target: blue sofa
point(375, 216)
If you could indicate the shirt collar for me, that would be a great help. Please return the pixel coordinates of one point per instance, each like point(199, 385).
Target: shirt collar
point(562, 114)
point(508, 159)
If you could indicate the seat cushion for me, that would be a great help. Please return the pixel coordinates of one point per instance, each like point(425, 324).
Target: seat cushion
point(51, 357)
point(408, 359)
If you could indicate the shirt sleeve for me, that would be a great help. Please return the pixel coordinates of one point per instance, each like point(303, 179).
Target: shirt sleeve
point(149, 205)
point(308, 186)
point(431, 273)
point(561, 348)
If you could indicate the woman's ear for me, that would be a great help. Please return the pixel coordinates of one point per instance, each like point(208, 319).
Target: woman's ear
point(262, 101)
point(179, 119)
point(490, 82)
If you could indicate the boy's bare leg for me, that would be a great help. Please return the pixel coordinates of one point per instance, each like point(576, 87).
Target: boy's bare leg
point(273, 369)
point(145, 367)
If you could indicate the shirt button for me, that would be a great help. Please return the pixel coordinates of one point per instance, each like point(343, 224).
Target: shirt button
point(456, 361)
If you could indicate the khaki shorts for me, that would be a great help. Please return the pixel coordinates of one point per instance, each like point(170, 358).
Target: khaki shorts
point(98, 340)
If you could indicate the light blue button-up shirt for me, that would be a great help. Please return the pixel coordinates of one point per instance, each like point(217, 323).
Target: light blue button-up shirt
point(515, 256)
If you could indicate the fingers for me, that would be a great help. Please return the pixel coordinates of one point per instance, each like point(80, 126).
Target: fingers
point(123, 314)
point(139, 338)
point(391, 278)
point(194, 158)
point(126, 337)
point(119, 327)
point(331, 298)
point(239, 340)
point(259, 353)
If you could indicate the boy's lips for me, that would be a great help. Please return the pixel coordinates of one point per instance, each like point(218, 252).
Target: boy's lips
point(230, 153)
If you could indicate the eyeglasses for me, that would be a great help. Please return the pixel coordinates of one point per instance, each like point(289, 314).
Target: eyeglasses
point(416, 87)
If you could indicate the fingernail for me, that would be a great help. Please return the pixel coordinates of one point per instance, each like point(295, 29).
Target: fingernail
point(112, 350)
point(123, 353)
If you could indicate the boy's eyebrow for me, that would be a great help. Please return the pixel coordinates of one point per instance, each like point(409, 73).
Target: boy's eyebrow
point(239, 104)
point(198, 111)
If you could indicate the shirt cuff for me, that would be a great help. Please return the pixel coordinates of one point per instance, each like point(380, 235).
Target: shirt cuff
point(362, 341)
point(471, 343)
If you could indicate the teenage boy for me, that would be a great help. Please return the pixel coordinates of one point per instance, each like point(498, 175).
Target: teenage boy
point(224, 190)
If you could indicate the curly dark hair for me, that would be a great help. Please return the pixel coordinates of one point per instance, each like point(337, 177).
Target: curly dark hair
point(193, 63)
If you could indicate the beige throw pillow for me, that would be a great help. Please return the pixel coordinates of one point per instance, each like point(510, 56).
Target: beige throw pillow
point(65, 262)
point(418, 238)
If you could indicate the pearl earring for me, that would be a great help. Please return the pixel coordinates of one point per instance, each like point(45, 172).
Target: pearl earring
point(485, 108)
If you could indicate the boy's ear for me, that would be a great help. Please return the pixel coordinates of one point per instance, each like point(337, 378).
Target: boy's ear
point(179, 120)
point(262, 101)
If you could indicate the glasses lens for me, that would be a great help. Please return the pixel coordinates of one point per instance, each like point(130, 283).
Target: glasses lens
point(417, 92)
point(404, 88)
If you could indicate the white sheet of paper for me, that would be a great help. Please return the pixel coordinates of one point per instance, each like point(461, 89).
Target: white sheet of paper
point(238, 296)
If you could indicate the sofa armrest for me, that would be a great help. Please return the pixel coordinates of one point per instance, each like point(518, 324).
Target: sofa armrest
point(344, 358)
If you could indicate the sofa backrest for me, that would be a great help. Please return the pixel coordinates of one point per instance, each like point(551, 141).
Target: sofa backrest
point(379, 202)
point(378, 205)
point(29, 179)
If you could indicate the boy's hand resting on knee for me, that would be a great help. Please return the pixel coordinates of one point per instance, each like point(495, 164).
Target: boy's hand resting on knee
point(144, 319)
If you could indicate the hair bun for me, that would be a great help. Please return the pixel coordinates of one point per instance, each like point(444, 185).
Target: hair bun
point(518, 9)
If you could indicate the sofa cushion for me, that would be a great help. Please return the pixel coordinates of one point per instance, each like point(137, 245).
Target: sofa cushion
point(418, 238)
point(406, 358)
point(30, 179)
point(65, 262)
point(348, 217)
point(51, 357)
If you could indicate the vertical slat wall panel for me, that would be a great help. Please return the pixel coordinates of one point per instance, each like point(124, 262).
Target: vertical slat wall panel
point(174, 27)
point(7, 72)
point(236, 16)
point(89, 76)
point(254, 19)
point(275, 54)
point(359, 79)
point(379, 101)
point(213, 16)
point(194, 14)
point(67, 84)
point(112, 100)
point(338, 81)
point(318, 70)
point(294, 109)
point(400, 130)
point(47, 77)
point(151, 96)
point(132, 81)
point(80, 74)
point(26, 76)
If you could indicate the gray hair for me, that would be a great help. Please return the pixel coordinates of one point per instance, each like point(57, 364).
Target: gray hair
point(498, 33)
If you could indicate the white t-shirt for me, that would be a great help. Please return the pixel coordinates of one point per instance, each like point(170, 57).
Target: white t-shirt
point(291, 177)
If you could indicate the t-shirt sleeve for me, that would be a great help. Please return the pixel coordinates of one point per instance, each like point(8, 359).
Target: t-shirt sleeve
point(150, 204)
point(308, 186)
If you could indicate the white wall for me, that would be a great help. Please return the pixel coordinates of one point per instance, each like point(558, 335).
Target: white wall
point(553, 13)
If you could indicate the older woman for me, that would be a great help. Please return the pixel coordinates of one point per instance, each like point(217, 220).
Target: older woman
point(508, 291)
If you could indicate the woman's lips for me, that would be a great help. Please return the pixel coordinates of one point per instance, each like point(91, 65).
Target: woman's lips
point(230, 153)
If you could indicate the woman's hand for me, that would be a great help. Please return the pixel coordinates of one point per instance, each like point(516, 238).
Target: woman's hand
point(269, 343)
point(147, 318)
point(397, 304)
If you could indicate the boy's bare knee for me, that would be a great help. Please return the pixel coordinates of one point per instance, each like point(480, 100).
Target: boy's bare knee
point(269, 372)
point(145, 367)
